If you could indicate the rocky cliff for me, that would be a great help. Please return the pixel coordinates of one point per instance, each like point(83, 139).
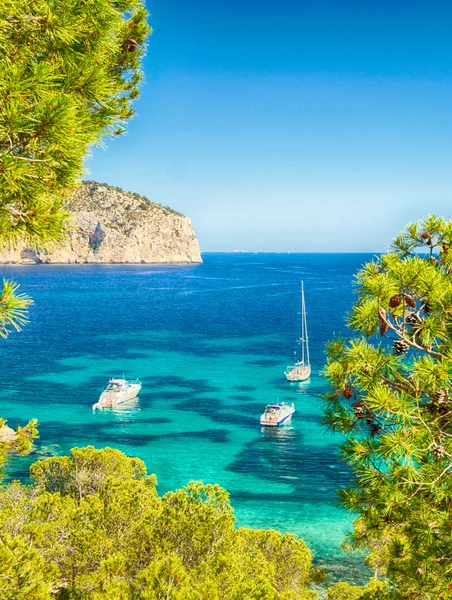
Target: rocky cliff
point(109, 225)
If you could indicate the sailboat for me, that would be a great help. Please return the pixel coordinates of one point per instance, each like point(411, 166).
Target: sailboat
point(301, 370)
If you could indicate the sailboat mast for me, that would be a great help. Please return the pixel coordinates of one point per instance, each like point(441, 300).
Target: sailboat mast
point(304, 329)
point(302, 323)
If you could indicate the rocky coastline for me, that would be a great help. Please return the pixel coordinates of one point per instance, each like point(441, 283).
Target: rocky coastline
point(109, 225)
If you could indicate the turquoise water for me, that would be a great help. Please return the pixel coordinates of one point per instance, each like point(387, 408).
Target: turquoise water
point(210, 343)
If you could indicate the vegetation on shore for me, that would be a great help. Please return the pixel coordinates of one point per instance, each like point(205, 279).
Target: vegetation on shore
point(392, 399)
point(147, 203)
point(91, 526)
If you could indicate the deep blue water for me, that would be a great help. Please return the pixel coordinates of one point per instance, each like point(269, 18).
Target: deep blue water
point(210, 343)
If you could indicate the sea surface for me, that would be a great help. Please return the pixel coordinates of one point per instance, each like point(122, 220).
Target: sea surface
point(210, 343)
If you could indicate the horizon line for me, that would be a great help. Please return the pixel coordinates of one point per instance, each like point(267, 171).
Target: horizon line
point(292, 252)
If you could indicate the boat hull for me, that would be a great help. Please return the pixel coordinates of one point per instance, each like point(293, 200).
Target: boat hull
point(298, 373)
point(284, 419)
point(111, 399)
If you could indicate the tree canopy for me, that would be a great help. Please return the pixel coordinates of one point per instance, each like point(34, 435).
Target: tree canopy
point(69, 72)
point(393, 401)
point(92, 525)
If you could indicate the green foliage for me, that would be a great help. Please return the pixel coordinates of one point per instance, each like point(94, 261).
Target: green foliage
point(167, 209)
point(69, 72)
point(13, 315)
point(13, 308)
point(95, 528)
point(23, 571)
point(374, 590)
point(392, 399)
point(85, 471)
point(20, 441)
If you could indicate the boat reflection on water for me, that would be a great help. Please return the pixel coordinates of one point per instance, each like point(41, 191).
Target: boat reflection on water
point(284, 434)
point(300, 387)
point(279, 453)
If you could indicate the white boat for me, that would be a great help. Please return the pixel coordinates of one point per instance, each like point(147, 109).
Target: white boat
point(301, 370)
point(277, 414)
point(117, 392)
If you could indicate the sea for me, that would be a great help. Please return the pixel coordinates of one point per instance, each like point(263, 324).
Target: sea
point(210, 343)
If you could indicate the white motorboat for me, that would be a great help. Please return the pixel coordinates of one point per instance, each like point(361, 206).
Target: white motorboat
point(277, 414)
point(301, 370)
point(117, 392)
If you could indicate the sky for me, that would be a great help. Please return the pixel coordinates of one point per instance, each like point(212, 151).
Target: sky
point(291, 125)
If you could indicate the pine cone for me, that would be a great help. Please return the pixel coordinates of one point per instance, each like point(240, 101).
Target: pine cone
point(348, 392)
point(445, 248)
point(438, 451)
point(359, 408)
point(439, 397)
point(431, 407)
point(375, 429)
point(395, 301)
point(400, 347)
point(409, 301)
point(426, 308)
point(360, 412)
point(425, 236)
point(412, 319)
point(369, 418)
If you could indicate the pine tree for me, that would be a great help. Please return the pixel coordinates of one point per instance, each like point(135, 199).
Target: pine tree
point(69, 72)
point(91, 525)
point(392, 399)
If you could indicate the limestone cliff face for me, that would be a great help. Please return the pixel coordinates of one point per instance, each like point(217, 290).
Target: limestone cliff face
point(109, 225)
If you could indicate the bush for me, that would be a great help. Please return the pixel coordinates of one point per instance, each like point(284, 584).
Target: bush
point(96, 528)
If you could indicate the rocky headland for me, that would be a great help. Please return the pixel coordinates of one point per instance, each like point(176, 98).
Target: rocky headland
point(109, 225)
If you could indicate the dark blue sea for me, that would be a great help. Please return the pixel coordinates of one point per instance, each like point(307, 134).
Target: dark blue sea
point(210, 343)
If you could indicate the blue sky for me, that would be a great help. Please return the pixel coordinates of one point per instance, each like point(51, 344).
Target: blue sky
point(291, 125)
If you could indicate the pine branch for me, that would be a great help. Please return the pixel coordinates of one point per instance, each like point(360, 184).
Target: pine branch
point(411, 343)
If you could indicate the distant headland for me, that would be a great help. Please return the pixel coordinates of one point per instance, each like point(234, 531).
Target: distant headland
point(109, 225)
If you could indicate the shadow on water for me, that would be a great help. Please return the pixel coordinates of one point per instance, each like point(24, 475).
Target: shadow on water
point(263, 362)
point(280, 455)
point(206, 407)
point(196, 385)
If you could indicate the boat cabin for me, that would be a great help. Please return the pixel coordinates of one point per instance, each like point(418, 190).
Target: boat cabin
point(277, 414)
point(115, 385)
